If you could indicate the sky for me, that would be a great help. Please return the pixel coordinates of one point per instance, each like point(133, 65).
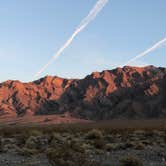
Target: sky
point(31, 31)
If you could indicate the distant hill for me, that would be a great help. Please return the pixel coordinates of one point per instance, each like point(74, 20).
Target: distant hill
point(128, 92)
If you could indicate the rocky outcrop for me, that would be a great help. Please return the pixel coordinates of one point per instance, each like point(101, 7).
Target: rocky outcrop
point(33, 97)
point(128, 92)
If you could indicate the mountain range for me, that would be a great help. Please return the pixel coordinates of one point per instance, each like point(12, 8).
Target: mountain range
point(121, 93)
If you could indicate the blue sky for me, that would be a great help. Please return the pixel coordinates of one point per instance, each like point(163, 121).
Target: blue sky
point(31, 31)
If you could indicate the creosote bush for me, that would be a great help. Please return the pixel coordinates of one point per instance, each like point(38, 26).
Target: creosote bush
point(94, 134)
point(66, 156)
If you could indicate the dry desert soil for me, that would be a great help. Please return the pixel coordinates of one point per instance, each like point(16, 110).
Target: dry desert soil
point(113, 143)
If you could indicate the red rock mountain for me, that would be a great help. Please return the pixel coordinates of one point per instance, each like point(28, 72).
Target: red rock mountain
point(128, 92)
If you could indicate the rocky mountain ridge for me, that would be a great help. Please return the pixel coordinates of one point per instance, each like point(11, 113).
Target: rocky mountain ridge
point(128, 92)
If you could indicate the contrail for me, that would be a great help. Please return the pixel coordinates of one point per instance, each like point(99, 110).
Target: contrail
point(91, 16)
point(155, 46)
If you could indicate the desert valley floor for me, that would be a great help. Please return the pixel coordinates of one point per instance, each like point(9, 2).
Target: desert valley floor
point(115, 143)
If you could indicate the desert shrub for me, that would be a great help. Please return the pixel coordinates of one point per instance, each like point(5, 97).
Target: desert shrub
point(139, 146)
point(77, 146)
point(94, 134)
point(27, 152)
point(130, 144)
point(87, 147)
point(39, 142)
point(109, 147)
point(10, 148)
point(21, 139)
point(147, 142)
point(59, 156)
point(110, 138)
point(99, 143)
point(131, 161)
point(115, 146)
point(57, 136)
point(25, 134)
point(56, 139)
point(31, 143)
point(35, 133)
point(66, 156)
point(139, 132)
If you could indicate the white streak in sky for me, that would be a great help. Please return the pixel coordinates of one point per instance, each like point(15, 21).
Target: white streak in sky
point(154, 47)
point(91, 16)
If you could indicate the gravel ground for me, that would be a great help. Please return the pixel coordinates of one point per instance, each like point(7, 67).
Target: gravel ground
point(11, 159)
point(36, 147)
point(152, 156)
